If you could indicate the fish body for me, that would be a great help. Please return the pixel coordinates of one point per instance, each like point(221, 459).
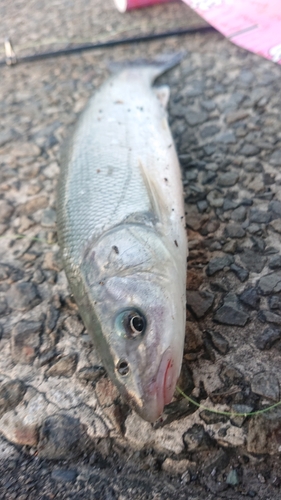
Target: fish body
point(121, 229)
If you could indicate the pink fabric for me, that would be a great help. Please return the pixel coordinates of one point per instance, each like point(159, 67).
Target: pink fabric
point(135, 4)
point(254, 25)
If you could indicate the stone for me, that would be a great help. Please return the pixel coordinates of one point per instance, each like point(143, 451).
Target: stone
point(22, 149)
point(230, 314)
point(250, 297)
point(49, 218)
point(209, 131)
point(219, 342)
point(276, 225)
point(227, 137)
point(195, 117)
point(197, 439)
point(5, 272)
point(268, 337)
point(241, 273)
point(259, 216)
point(91, 373)
point(211, 226)
point(215, 198)
point(64, 476)
point(52, 261)
point(208, 177)
point(269, 317)
point(25, 341)
point(227, 179)
point(73, 325)
point(275, 207)
point(274, 302)
point(11, 394)
point(175, 467)
point(236, 116)
point(3, 306)
point(253, 261)
point(266, 384)
point(233, 230)
point(275, 262)
point(212, 418)
point(199, 302)
point(106, 392)
point(249, 150)
point(232, 478)
point(60, 437)
point(6, 211)
point(264, 433)
point(239, 214)
point(275, 158)
point(230, 246)
point(64, 367)
point(23, 296)
point(51, 319)
point(270, 283)
point(35, 204)
point(219, 263)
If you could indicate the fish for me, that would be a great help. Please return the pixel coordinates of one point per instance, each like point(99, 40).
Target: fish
point(121, 230)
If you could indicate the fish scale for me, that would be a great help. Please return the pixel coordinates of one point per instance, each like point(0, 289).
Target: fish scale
point(122, 234)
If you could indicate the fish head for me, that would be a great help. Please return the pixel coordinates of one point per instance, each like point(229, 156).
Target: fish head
point(140, 308)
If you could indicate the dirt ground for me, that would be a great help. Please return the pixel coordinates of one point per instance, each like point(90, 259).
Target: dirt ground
point(65, 432)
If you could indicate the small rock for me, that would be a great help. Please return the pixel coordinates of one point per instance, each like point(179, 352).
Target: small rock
point(275, 158)
point(197, 439)
point(230, 314)
point(91, 373)
point(26, 149)
point(269, 317)
point(259, 216)
point(7, 136)
point(3, 305)
point(73, 325)
point(219, 342)
point(64, 476)
point(232, 478)
point(227, 179)
point(106, 392)
point(227, 137)
point(199, 302)
point(210, 227)
point(6, 211)
point(270, 283)
point(268, 337)
point(275, 262)
point(208, 177)
point(35, 204)
point(236, 116)
point(239, 214)
point(51, 319)
point(241, 273)
point(266, 384)
point(11, 393)
point(276, 224)
point(209, 131)
point(5, 272)
point(195, 117)
point(23, 296)
point(25, 341)
point(219, 263)
point(65, 367)
point(233, 230)
point(274, 302)
point(175, 467)
point(215, 198)
point(38, 277)
point(52, 261)
point(275, 207)
point(212, 418)
point(249, 150)
point(61, 437)
point(230, 246)
point(230, 375)
point(253, 261)
point(250, 297)
point(263, 434)
point(49, 218)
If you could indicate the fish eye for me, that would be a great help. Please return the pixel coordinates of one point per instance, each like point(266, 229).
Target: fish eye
point(134, 324)
point(130, 323)
point(122, 367)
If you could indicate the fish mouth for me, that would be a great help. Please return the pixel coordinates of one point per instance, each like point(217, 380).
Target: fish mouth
point(159, 392)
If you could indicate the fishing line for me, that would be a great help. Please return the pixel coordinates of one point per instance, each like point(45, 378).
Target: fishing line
point(227, 413)
point(12, 59)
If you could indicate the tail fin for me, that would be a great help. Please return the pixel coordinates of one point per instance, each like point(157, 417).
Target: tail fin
point(153, 68)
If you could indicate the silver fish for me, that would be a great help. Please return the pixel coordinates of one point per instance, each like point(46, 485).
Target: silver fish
point(121, 229)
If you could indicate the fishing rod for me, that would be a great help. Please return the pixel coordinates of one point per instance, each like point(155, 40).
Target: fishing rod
point(11, 59)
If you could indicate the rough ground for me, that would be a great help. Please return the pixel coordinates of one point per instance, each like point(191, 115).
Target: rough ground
point(74, 438)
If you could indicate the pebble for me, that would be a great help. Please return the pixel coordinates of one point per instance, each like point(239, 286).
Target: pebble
point(230, 246)
point(60, 437)
point(250, 297)
point(270, 283)
point(219, 342)
point(91, 373)
point(241, 273)
point(35, 204)
point(64, 476)
point(253, 261)
point(25, 341)
point(276, 225)
point(218, 263)
point(239, 214)
point(197, 439)
point(23, 296)
point(249, 150)
point(232, 478)
point(65, 367)
point(227, 179)
point(266, 384)
point(259, 216)
point(3, 305)
point(209, 131)
point(275, 207)
point(275, 158)
point(269, 317)
point(195, 117)
point(268, 337)
point(233, 230)
point(6, 211)
point(230, 314)
point(11, 393)
point(227, 138)
point(175, 467)
point(215, 198)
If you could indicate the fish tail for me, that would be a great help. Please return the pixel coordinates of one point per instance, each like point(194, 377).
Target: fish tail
point(152, 68)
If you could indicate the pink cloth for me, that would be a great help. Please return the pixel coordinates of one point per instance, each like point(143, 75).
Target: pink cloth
point(254, 25)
